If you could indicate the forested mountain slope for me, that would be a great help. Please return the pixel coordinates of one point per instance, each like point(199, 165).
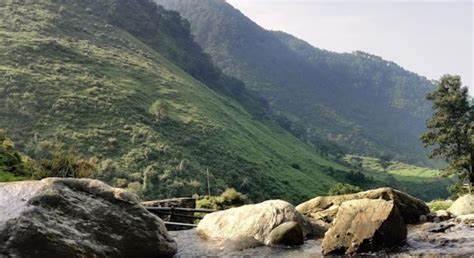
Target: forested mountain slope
point(358, 101)
point(111, 81)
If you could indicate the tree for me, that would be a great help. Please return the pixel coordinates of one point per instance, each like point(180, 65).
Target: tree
point(341, 188)
point(451, 129)
point(385, 160)
point(159, 111)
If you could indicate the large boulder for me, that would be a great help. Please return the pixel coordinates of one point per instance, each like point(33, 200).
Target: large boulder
point(464, 205)
point(324, 208)
point(364, 225)
point(273, 222)
point(77, 218)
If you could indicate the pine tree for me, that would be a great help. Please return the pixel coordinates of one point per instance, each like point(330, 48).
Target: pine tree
point(451, 129)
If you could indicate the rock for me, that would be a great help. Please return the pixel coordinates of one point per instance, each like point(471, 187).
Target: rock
point(410, 207)
point(423, 219)
point(365, 225)
point(273, 222)
point(288, 233)
point(77, 218)
point(466, 219)
point(318, 227)
point(464, 205)
point(441, 227)
point(443, 215)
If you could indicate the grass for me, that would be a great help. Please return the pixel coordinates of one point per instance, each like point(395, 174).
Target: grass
point(8, 177)
point(75, 82)
point(425, 183)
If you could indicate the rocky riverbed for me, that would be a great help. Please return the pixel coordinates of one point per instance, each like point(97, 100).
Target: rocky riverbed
point(444, 239)
point(58, 217)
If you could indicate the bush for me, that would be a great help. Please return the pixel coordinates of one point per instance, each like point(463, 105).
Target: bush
point(66, 164)
point(340, 188)
point(437, 205)
point(228, 199)
point(11, 161)
point(457, 190)
point(231, 198)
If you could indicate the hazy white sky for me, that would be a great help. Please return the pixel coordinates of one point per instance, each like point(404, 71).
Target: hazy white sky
point(430, 38)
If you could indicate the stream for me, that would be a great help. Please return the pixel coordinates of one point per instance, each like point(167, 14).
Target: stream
point(445, 239)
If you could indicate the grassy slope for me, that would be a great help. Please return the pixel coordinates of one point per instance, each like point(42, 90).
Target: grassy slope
point(422, 182)
point(71, 79)
point(321, 96)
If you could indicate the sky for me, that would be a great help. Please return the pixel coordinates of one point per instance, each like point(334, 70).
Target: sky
point(430, 38)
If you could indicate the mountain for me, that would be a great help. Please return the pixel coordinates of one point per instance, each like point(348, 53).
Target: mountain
point(356, 101)
point(122, 83)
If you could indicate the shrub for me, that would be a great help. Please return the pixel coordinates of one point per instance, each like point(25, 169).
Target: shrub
point(66, 164)
point(136, 188)
point(437, 205)
point(341, 188)
point(296, 166)
point(457, 190)
point(228, 199)
point(231, 198)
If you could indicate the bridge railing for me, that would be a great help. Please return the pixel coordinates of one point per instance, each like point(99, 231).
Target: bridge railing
point(189, 213)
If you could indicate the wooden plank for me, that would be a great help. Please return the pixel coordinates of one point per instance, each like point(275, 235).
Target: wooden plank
point(175, 214)
point(178, 209)
point(179, 224)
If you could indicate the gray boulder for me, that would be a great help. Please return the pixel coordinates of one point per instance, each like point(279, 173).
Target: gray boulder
point(464, 205)
point(77, 218)
point(325, 207)
point(273, 222)
point(365, 225)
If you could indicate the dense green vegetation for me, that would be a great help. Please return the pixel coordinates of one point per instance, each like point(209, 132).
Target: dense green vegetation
point(340, 188)
point(15, 165)
point(357, 102)
point(228, 199)
point(75, 79)
point(437, 205)
point(451, 129)
point(425, 183)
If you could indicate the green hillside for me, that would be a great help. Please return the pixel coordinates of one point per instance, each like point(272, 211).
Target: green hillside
point(358, 102)
point(425, 183)
point(74, 78)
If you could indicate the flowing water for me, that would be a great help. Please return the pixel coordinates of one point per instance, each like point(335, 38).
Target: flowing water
point(446, 239)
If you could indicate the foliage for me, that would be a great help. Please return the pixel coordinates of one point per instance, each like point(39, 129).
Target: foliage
point(17, 166)
point(228, 199)
point(385, 160)
point(437, 205)
point(11, 161)
point(457, 190)
point(65, 164)
point(341, 188)
point(451, 129)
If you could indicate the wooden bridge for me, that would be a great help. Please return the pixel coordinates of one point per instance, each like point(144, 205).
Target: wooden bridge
point(178, 218)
